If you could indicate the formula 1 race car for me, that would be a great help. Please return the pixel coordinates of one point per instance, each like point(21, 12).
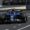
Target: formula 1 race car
point(15, 17)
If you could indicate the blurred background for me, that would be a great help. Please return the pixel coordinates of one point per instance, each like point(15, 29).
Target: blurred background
point(23, 5)
point(12, 2)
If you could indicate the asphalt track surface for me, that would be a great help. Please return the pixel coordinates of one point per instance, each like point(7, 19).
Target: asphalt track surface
point(20, 26)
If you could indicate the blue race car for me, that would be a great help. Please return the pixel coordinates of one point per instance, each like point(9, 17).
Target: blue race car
point(15, 16)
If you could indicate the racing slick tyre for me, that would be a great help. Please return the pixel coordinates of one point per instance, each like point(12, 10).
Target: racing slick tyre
point(21, 19)
point(24, 19)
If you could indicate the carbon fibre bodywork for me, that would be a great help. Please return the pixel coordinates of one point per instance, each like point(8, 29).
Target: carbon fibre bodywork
point(15, 16)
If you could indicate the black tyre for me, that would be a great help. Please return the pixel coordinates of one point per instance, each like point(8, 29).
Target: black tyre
point(25, 19)
point(19, 19)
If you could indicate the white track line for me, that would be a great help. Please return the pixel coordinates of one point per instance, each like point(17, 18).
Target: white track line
point(24, 27)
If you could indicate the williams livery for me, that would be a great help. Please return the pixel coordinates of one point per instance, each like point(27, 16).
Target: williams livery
point(15, 16)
